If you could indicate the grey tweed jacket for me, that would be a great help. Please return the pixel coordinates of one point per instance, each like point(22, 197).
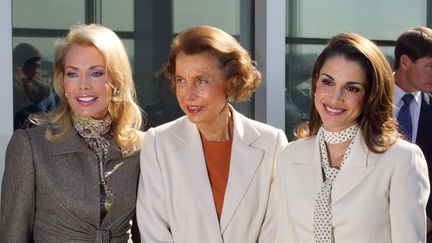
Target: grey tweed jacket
point(50, 191)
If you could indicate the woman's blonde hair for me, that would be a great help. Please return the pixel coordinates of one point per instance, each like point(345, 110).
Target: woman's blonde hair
point(234, 60)
point(124, 112)
point(376, 120)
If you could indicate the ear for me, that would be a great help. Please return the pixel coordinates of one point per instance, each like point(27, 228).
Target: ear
point(404, 61)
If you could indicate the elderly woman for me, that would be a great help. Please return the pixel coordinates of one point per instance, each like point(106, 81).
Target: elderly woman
point(74, 177)
point(350, 178)
point(208, 176)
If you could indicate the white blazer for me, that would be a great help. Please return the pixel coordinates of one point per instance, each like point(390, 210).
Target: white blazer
point(175, 201)
point(377, 198)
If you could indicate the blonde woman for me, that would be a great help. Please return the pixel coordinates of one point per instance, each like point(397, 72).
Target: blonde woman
point(74, 177)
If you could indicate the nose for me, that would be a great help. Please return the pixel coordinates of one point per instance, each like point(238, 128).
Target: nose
point(190, 91)
point(84, 82)
point(337, 95)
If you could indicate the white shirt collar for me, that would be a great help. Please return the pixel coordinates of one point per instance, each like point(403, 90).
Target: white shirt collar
point(399, 93)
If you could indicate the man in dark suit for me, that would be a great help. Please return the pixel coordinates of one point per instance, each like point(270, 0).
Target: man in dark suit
point(413, 75)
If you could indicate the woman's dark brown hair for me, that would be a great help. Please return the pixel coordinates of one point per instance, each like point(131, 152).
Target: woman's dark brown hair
point(235, 62)
point(375, 121)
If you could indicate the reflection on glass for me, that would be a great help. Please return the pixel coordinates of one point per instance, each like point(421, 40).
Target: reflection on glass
point(166, 109)
point(299, 64)
point(118, 15)
point(31, 84)
point(47, 14)
point(147, 40)
point(374, 19)
point(389, 53)
point(224, 14)
point(130, 49)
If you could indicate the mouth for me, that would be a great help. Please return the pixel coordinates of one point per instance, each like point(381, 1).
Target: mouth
point(193, 109)
point(86, 99)
point(334, 111)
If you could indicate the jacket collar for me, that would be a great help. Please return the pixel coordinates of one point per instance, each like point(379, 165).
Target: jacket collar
point(359, 163)
point(426, 98)
point(357, 166)
point(72, 143)
point(246, 154)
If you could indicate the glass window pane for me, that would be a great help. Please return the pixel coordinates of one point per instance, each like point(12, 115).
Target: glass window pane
point(231, 16)
point(47, 14)
point(223, 14)
point(299, 64)
point(118, 15)
point(32, 75)
point(373, 19)
point(130, 49)
point(46, 46)
point(389, 52)
point(147, 30)
point(25, 48)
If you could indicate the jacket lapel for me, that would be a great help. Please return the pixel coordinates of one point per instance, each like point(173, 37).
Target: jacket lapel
point(72, 143)
point(424, 131)
point(246, 156)
point(189, 149)
point(315, 162)
point(310, 157)
point(357, 166)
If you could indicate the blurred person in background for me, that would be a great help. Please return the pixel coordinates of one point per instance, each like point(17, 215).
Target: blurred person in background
point(413, 98)
point(28, 87)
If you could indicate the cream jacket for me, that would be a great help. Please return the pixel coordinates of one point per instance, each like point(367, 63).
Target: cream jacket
point(175, 201)
point(377, 198)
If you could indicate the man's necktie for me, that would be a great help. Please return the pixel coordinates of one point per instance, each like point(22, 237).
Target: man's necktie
point(404, 117)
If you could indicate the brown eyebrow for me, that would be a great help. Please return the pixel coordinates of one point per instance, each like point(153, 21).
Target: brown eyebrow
point(178, 76)
point(200, 76)
point(347, 83)
point(354, 82)
point(327, 75)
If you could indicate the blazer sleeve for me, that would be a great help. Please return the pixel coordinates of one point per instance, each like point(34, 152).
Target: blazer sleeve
point(409, 193)
point(269, 227)
point(150, 209)
point(18, 191)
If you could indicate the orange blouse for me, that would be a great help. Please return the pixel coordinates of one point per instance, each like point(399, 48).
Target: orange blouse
point(217, 156)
